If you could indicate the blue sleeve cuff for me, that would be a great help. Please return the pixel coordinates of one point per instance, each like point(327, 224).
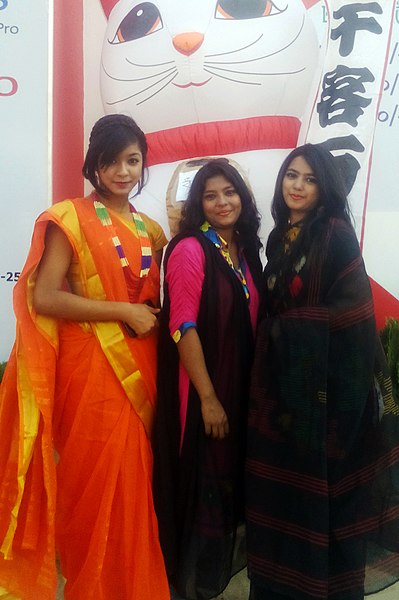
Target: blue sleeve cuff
point(178, 334)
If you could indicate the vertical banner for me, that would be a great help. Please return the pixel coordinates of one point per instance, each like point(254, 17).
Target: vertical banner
point(357, 118)
point(381, 227)
point(350, 91)
point(24, 141)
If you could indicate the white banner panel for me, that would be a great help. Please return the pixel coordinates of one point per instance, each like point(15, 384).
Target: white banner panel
point(350, 90)
point(24, 141)
point(380, 244)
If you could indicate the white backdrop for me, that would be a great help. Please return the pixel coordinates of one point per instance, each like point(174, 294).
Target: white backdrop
point(24, 141)
point(375, 199)
point(380, 249)
point(25, 81)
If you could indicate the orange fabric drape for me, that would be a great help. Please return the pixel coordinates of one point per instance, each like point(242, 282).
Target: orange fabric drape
point(91, 389)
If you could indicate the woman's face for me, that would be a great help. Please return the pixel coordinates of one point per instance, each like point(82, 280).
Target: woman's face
point(120, 177)
point(300, 189)
point(221, 203)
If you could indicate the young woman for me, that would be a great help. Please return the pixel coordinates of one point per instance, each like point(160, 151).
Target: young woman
point(320, 459)
point(81, 380)
point(207, 329)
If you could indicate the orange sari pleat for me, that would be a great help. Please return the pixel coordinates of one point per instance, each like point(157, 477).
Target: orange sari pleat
point(97, 505)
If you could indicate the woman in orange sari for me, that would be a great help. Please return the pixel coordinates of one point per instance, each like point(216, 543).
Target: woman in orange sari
point(81, 381)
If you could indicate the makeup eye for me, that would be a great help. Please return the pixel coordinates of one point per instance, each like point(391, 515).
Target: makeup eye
point(142, 20)
point(311, 180)
point(245, 9)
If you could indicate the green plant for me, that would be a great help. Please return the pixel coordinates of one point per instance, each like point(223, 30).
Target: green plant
point(390, 342)
point(2, 368)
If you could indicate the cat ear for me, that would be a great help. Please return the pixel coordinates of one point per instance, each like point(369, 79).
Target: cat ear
point(108, 5)
point(309, 3)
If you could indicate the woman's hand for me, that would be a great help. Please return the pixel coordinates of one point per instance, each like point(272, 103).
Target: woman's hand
point(142, 319)
point(51, 299)
point(192, 358)
point(214, 417)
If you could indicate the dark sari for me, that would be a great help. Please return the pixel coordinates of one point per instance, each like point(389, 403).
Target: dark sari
point(322, 471)
point(199, 491)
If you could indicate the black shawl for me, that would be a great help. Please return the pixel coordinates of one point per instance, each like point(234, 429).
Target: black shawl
point(322, 466)
point(198, 493)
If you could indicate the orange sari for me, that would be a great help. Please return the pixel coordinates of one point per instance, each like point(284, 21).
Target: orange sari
point(86, 390)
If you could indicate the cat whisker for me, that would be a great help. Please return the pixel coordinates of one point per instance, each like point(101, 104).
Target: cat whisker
point(157, 92)
point(236, 50)
point(254, 42)
point(168, 62)
point(171, 77)
point(254, 73)
point(231, 79)
point(130, 80)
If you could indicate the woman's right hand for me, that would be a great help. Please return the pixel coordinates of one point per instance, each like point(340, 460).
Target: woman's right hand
point(142, 319)
point(192, 358)
point(51, 299)
point(214, 417)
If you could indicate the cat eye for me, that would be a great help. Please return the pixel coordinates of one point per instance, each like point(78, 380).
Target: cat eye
point(245, 9)
point(142, 20)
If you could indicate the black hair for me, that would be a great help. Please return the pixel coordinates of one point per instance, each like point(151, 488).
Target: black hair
point(332, 199)
point(110, 136)
point(193, 214)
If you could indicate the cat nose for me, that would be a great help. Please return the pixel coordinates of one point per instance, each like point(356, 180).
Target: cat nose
point(188, 43)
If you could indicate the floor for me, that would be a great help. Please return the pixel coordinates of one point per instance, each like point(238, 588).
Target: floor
point(238, 590)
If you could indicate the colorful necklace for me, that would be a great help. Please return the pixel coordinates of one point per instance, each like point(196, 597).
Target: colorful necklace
point(223, 248)
point(291, 235)
point(145, 245)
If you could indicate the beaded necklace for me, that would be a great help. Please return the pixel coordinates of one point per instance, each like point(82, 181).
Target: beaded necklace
point(145, 245)
point(146, 251)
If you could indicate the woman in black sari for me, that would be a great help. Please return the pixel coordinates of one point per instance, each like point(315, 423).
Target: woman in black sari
point(322, 470)
point(212, 272)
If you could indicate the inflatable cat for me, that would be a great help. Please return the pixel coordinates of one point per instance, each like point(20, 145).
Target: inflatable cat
point(218, 77)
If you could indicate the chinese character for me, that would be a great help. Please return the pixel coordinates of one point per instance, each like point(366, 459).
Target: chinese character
point(352, 23)
point(343, 84)
point(347, 164)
